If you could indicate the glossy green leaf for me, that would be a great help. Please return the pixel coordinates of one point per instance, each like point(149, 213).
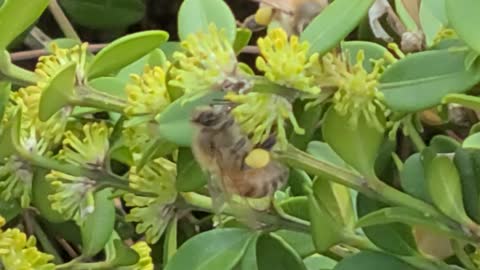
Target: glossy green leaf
point(421, 80)
point(16, 16)
point(335, 199)
point(98, 226)
point(104, 14)
point(368, 260)
point(308, 119)
point(430, 19)
point(9, 210)
point(438, 9)
point(372, 51)
point(396, 238)
point(66, 230)
point(462, 15)
point(443, 182)
point(296, 207)
point(302, 243)
point(170, 244)
point(249, 259)
point(325, 231)
point(444, 144)
point(468, 170)
point(472, 141)
point(357, 146)
point(58, 92)
point(124, 51)
point(241, 39)
point(174, 121)
point(412, 178)
point(110, 85)
point(319, 262)
point(334, 23)
point(124, 255)
point(190, 176)
point(322, 151)
point(215, 249)
point(5, 88)
point(404, 16)
point(41, 188)
point(274, 253)
point(196, 15)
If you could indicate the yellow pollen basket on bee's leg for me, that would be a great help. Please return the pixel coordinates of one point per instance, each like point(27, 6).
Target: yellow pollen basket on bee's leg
point(258, 158)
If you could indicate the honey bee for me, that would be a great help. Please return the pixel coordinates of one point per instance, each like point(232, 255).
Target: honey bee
point(221, 148)
point(292, 15)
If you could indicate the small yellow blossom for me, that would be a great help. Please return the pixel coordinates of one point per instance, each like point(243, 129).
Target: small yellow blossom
point(17, 252)
point(207, 63)
point(261, 114)
point(285, 61)
point(152, 213)
point(444, 34)
point(145, 261)
point(147, 94)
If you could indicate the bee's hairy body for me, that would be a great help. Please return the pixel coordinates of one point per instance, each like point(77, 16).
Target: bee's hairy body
point(220, 148)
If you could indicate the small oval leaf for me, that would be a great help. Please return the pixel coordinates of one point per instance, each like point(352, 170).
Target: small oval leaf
point(124, 51)
point(98, 226)
point(367, 260)
point(334, 23)
point(463, 17)
point(274, 253)
point(196, 15)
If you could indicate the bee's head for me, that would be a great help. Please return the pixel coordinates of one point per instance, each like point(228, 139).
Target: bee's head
point(211, 117)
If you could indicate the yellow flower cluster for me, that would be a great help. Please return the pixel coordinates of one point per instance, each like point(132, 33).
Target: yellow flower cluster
point(152, 213)
point(285, 61)
point(17, 252)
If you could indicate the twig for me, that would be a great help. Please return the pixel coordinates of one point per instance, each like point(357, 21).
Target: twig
point(67, 247)
point(62, 20)
point(32, 54)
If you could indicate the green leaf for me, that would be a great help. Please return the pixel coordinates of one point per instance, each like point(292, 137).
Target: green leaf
point(124, 51)
point(190, 176)
point(98, 226)
point(308, 119)
point(104, 14)
point(302, 243)
point(170, 243)
point(5, 89)
point(110, 85)
point(372, 51)
point(396, 238)
point(296, 207)
point(472, 141)
point(249, 259)
point(334, 23)
point(16, 16)
point(274, 253)
point(215, 249)
point(241, 39)
point(467, 164)
point(367, 260)
point(405, 17)
point(325, 231)
point(323, 152)
point(9, 139)
point(430, 14)
point(196, 15)
point(462, 15)
point(41, 188)
point(9, 210)
point(358, 146)
point(124, 255)
point(319, 262)
point(412, 178)
point(174, 121)
point(444, 144)
point(421, 80)
point(443, 182)
point(58, 92)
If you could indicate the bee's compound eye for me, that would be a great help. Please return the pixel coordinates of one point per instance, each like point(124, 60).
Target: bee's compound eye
point(257, 158)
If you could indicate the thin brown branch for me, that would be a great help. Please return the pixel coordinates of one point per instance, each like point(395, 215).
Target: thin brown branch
point(33, 54)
